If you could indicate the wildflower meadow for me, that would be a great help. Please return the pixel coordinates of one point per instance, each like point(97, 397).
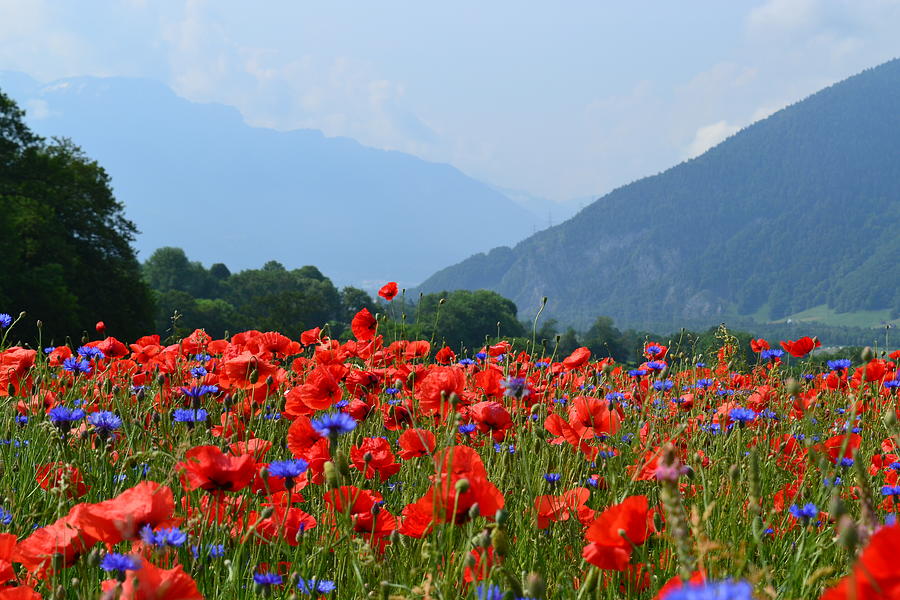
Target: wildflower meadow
point(269, 465)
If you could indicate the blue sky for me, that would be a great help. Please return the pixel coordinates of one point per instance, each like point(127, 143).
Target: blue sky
point(559, 99)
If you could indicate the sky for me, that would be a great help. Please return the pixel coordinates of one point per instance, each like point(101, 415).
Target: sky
point(557, 99)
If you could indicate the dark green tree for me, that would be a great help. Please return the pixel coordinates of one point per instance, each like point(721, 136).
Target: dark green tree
point(467, 318)
point(65, 244)
point(605, 340)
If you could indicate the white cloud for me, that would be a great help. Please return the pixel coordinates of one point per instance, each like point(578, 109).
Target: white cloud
point(710, 135)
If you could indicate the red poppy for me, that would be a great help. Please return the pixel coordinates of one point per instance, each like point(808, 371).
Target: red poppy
point(551, 509)
point(388, 291)
point(7, 545)
point(153, 583)
point(875, 575)
point(380, 458)
point(310, 336)
point(321, 390)
point(364, 325)
point(801, 347)
point(21, 592)
point(15, 365)
point(437, 386)
point(122, 517)
point(60, 541)
point(616, 531)
point(445, 356)
point(577, 358)
point(416, 442)
point(63, 476)
point(759, 345)
point(491, 417)
point(207, 468)
point(285, 523)
point(365, 510)
point(246, 370)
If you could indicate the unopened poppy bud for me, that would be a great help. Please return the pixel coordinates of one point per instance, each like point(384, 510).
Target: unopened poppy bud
point(535, 586)
point(502, 516)
point(22, 314)
point(848, 534)
point(394, 537)
point(454, 399)
point(462, 486)
point(792, 387)
point(270, 380)
point(266, 512)
point(837, 508)
point(469, 561)
point(161, 379)
point(734, 472)
point(264, 473)
point(253, 376)
point(341, 462)
point(332, 477)
point(500, 542)
point(367, 457)
point(482, 540)
point(889, 418)
point(39, 324)
point(867, 354)
point(474, 511)
point(10, 390)
point(442, 301)
point(58, 561)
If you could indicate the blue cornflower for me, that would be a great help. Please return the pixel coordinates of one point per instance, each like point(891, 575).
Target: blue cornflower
point(515, 387)
point(189, 415)
point(203, 357)
point(5, 320)
point(771, 354)
point(808, 376)
point(768, 413)
point(334, 424)
point(705, 383)
point(663, 385)
point(120, 563)
point(892, 383)
point(652, 350)
point(73, 365)
point(552, 477)
point(656, 365)
point(198, 391)
point(829, 483)
point(712, 428)
point(199, 371)
point(806, 512)
point(212, 550)
point(742, 415)
point(712, 590)
point(312, 586)
point(846, 462)
point(340, 404)
point(895, 465)
point(5, 516)
point(560, 401)
point(700, 365)
point(467, 428)
point(267, 579)
point(89, 352)
point(839, 364)
point(637, 373)
point(104, 422)
point(481, 355)
point(166, 536)
point(890, 490)
point(63, 417)
point(288, 468)
point(489, 592)
point(615, 397)
point(466, 362)
point(22, 420)
point(541, 365)
point(391, 391)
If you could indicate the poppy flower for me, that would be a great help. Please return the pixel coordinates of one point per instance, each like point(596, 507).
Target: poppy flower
point(388, 291)
point(416, 442)
point(7, 545)
point(491, 417)
point(121, 518)
point(286, 523)
point(875, 575)
point(60, 475)
point(364, 325)
point(551, 509)
point(445, 356)
point(365, 510)
point(150, 582)
point(578, 358)
point(208, 468)
point(437, 386)
point(616, 531)
point(21, 592)
point(759, 345)
point(310, 336)
point(15, 365)
point(380, 458)
point(802, 347)
point(60, 541)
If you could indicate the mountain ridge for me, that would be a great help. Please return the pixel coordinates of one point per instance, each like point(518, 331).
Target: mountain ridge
point(675, 246)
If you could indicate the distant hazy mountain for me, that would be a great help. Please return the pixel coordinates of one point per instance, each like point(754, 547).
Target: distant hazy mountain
point(196, 176)
point(799, 210)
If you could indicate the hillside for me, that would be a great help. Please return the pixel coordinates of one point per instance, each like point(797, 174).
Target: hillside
point(196, 176)
point(797, 211)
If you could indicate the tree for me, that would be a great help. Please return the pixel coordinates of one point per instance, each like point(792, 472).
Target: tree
point(466, 317)
point(605, 340)
point(65, 244)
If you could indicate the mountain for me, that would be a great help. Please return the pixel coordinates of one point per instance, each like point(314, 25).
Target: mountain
point(198, 177)
point(797, 211)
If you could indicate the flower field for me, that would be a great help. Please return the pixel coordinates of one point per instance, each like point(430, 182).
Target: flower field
point(264, 466)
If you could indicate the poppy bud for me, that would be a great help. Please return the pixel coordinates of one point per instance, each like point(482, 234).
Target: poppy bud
point(502, 516)
point(792, 387)
point(270, 380)
point(454, 399)
point(332, 477)
point(867, 354)
point(836, 507)
point(394, 537)
point(535, 586)
point(889, 418)
point(11, 390)
point(734, 472)
point(253, 376)
point(22, 314)
point(100, 326)
point(343, 465)
point(442, 301)
point(39, 324)
point(367, 457)
point(848, 534)
point(462, 486)
point(500, 542)
point(474, 511)
point(264, 473)
point(469, 561)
